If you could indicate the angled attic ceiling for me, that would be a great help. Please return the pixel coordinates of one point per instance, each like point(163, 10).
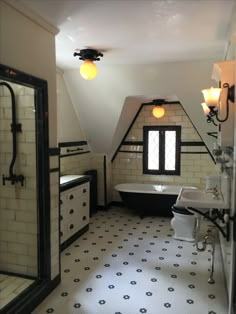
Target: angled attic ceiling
point(151, 48)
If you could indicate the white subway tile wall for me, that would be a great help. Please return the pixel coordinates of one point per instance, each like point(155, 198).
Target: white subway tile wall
point(80, 163)
point(18, 205)
point(128, 167)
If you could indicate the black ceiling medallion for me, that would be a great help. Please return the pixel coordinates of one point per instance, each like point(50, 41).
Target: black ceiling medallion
point(88, 54)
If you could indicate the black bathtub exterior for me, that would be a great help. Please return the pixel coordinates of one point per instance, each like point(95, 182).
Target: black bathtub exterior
point(147, 204)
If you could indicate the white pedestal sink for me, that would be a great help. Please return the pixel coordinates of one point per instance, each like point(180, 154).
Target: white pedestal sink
point(200, 199)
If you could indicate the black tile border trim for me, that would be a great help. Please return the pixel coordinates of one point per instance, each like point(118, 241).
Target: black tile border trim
point(141, 152)
point(139, 143)
point(74, 154)
point(29, 299)
point(130, 151)
point(54, 170)
point(69, 144)
point(195, 153)
point(192, 143)
point(54, 151)
point(184, 143)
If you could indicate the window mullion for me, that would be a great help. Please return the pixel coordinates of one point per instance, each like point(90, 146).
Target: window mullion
point(162, 150)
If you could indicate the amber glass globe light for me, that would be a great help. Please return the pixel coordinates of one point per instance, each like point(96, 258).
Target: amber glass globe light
point(88, 70)
point(158, 112)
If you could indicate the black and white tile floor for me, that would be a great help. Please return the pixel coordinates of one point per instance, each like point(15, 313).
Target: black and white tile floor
point(128, 265)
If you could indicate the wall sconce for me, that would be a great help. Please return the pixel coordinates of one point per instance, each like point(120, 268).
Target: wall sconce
point(212, 101)
point(88, 69)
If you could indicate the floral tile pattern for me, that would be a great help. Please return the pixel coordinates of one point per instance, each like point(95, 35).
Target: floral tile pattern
point(128, 265)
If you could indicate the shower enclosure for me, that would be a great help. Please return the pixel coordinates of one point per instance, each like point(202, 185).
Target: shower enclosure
point(24, 191)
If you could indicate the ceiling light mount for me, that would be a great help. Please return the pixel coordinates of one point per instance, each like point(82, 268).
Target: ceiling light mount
point(88, 69)
point(88, 54)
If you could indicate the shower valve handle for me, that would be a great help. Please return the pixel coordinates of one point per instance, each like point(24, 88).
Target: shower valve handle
point(14, 179)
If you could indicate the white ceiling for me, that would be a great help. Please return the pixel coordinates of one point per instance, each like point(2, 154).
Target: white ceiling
point(137, 31)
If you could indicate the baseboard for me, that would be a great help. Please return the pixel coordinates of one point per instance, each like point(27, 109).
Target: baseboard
point(29, 299)
point(68, 242)
point(117, 204)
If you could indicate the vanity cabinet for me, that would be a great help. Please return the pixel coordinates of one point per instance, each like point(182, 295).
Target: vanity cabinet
point(74, 211)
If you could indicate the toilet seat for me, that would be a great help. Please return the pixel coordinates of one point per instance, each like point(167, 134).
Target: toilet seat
point(181, 210)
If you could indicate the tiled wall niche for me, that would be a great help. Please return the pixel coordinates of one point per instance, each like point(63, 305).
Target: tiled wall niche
point(18, 204)
point(196, 163)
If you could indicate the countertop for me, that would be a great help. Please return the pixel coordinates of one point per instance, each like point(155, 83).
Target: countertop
point(69, 181)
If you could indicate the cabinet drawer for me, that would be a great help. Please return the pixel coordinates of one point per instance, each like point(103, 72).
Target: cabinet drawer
point(80, 191)
point(74, 210)
point(73, 226)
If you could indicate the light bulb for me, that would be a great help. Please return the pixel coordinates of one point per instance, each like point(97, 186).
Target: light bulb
point(88, 70)
point(158, 112)
point(211, 96)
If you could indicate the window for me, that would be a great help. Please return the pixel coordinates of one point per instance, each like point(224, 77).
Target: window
point(161, 150)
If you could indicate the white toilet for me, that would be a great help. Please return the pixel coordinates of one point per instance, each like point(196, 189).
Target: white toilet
point(183, 224)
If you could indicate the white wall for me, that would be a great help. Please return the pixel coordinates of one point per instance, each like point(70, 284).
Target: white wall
point(100, 102)
point(68, 128)
point(29, 47)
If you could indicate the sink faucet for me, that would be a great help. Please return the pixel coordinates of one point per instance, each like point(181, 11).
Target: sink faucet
point(214, 191)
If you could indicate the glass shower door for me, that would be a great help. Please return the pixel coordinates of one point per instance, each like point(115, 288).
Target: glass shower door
point(18, 193)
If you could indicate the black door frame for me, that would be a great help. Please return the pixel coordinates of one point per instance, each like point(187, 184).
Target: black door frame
point(30, 297)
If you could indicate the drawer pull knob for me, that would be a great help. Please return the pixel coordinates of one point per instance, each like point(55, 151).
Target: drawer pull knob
point(61, 202)
point(61, 234)
point(84, 190)
point(84, 204)
point(71, 211)
point(71, 226)
point(71, 197)
point(84, 218)
point(61, 217)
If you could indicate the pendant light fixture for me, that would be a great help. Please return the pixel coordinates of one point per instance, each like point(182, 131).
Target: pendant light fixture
point(88, 69)
point(158, 111)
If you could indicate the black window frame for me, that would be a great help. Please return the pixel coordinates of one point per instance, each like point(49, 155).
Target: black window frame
point(162, 129)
